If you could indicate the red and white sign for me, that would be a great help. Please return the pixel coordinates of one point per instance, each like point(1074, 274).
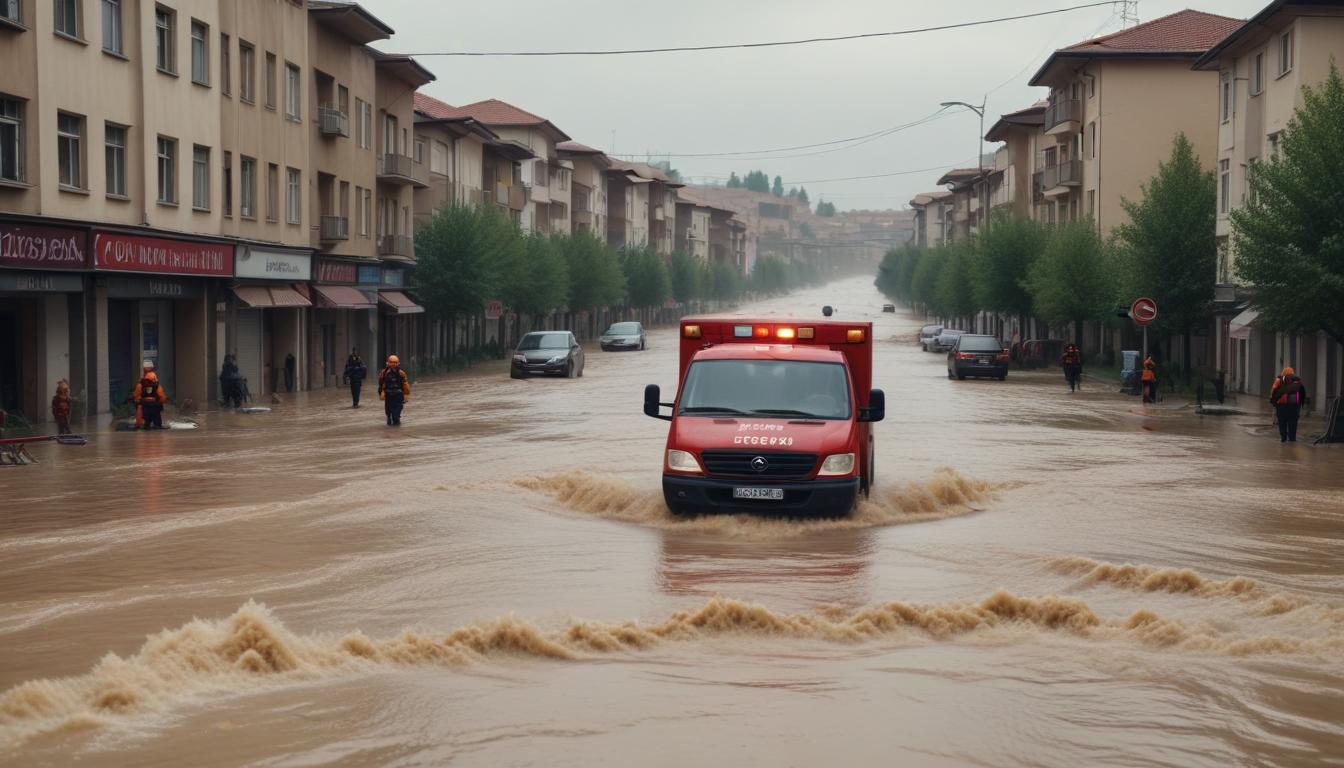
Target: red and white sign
point(42, 247)
point(329, 272)
point(1143, 311)
point(160, 256)
point(494, 309)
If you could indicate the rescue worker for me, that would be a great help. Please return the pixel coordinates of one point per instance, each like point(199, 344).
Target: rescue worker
point(1287, 396)
point(355, 373)
point(394, 389)
point(1149, 381)
point(149, 398)
point(60, 407)
point(1072, 363)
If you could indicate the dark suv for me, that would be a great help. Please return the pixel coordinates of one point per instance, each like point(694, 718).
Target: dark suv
point(977, 355)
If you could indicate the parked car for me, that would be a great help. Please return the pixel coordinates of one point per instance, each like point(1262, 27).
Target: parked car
point(888, 307)
point(627, 335)
point(945, 340)
point(977, 355)
point(552, 352)
point(927, 334)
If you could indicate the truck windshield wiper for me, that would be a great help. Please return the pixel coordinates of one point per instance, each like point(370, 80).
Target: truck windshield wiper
point(713, 409)
point(786, 412)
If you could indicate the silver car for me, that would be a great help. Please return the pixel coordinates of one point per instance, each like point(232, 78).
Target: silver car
point(627, 335)
point(945, 340)
point(927, 334)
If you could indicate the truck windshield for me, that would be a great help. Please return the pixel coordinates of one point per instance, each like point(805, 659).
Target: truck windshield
point(780, 388)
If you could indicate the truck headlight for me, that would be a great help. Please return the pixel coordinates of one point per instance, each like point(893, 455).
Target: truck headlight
point(682, 461)
point(837, 464)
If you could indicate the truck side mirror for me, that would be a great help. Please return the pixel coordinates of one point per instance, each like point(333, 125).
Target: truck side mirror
point(827, 310)
point(877, 406)
point(652, 406)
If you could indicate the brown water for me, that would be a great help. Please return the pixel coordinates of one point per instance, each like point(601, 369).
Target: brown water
point(1042, 579)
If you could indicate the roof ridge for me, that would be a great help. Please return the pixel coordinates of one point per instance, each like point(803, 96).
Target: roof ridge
point(1148, 24)
point(502, 102)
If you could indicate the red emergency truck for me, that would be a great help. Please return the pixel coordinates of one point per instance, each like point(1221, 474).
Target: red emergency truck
point(772, 415)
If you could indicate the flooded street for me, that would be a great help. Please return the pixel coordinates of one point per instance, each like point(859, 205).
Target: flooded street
point(1039, 578)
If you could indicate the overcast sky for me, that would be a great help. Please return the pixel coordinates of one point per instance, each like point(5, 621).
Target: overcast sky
point(754, 99)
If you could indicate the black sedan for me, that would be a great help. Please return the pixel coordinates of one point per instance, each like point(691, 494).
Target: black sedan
point(547, 352)
point(977, 355)
point(628, 335)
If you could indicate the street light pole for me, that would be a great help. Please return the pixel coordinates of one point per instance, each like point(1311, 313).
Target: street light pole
point(979, 149)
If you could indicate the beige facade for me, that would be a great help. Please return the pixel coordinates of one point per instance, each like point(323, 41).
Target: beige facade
point(1015, 161)
point(403, 159)
point(588, 195)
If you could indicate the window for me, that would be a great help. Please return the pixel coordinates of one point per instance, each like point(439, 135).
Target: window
point(1258, 73)
point(200, 53)
point(293, 96)
point(67, 17)
point(11, 139)
point(1225, 102)
point(11, 10)
point(114, 151)
point(247, 206)
point(1224, 184)
point(112, 26)
point(165, 55)
point(167, 170)
point(1092, 203)
point(419, 152)
point(293, 195)
point(365, 124)
point(272, 192)
point(200, 178)
point(390, 134)
point(1092, 138)
point(438, 158)
point(1091, 86)
point(342, 96)
point(366, 222)
point(225, 65)
point(271, 74)
point(1250, 196)
point(247, 72)
point(227, 183)
point(69, 149)
point(1286, 52)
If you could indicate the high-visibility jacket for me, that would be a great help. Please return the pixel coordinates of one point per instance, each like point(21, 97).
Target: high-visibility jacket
point(394, 381)
point(1287, 390)
point(1149, 374)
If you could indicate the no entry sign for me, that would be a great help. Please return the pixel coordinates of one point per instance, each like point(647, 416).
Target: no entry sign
point(493, 309)
point(1144, 311)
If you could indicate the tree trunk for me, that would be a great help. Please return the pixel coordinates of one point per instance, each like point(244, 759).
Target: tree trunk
point(1078, 333)
point(1185, 355)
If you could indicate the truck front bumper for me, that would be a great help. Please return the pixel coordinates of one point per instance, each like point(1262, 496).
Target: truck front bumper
point(688, 494)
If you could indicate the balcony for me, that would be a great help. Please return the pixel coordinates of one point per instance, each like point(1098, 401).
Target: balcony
point(659, 214)
point(334, 228)
point(517, 197)
point(540, 193)
point(400, 170)
point(1058, 179)
point(1063, 116)
point(332, 121)
point(502, 195)
point(1037, 188)
point(399, 246)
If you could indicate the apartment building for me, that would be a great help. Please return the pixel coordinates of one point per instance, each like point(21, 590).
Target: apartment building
point(479, 168)
point(168, 210)
point(1015, 162)
point(933, 218)
point(1116, 104)
point(692, 225)
point(1261, 68)
point(588, 211)
point(628, 208)
point(964, 205)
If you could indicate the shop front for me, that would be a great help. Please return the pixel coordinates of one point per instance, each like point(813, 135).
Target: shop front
point(344, 317)
point(401, 319)
point(267, 315)
point(42, 325)
point(155, 296)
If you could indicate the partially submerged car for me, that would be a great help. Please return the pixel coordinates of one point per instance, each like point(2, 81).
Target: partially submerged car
point(547, 352)
point(626, 335)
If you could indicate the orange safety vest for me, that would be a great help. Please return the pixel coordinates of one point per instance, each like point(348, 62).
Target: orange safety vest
point(1149, 374)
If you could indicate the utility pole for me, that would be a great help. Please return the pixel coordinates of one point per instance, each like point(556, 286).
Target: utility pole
point(1129, 13)
point(979, 151)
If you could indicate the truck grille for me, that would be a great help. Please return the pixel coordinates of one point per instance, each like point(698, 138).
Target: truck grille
point(779, 466)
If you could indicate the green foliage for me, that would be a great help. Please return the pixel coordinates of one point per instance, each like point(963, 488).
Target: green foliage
point(825, 209)
point(924, 279)
point(1289, 238)
point(646, 280)
point(1072, 281)
point(686, 278)
point(802, 195)
point(757, 181)
point(771, 275)
point(777, 189)
point(595, 275)
point(1006, 252)
point(460, 252)
point(954, 291)
point(733, 181)
point(724, 282)
point(535, 279)
point(1168, 248)
point(896, 272)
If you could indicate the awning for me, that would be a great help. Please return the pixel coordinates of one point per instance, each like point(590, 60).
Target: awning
point(342, 297)
point(638, 179)
point(1240, 327)
point(266, 296)
point(399, 303)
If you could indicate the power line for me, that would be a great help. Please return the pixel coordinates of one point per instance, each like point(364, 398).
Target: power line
point(775, 43)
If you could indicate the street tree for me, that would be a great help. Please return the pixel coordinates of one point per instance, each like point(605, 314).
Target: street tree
point(1072, 281)
point(1289, 238)
point(684, 274)
point(594, 272)
point(1168, 249)
point(725, 284)
point(535, 279)
point(1006, 252)
point(771, 275)
point(924, 280)
point(646, 280)
point(955, 288)
point(460, 251)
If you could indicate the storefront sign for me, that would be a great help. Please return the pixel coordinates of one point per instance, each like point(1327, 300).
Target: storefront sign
point(370, 275)
point(43, 247)
point(40, 282)
point(151, 288)
point(266, 264)
point(394, 278)
point(335, 272)
point(493, 309)
point(157, 255)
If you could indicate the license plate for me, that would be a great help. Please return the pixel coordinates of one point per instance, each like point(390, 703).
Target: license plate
point(768, 494)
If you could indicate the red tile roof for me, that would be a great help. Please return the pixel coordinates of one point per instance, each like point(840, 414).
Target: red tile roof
point(439, 110)
point(577, 148)
point(1181, 32)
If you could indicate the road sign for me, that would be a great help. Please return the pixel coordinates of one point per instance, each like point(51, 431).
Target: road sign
point(1144, 311)
point(494, 309)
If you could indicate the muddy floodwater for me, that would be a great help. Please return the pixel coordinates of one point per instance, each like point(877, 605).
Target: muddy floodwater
point(1039, 579)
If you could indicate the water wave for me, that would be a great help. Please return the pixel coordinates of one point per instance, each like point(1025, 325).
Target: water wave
point(948, 493)
point(252, 650)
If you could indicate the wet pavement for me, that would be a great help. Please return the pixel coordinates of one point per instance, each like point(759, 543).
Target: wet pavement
point(1041, 578)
